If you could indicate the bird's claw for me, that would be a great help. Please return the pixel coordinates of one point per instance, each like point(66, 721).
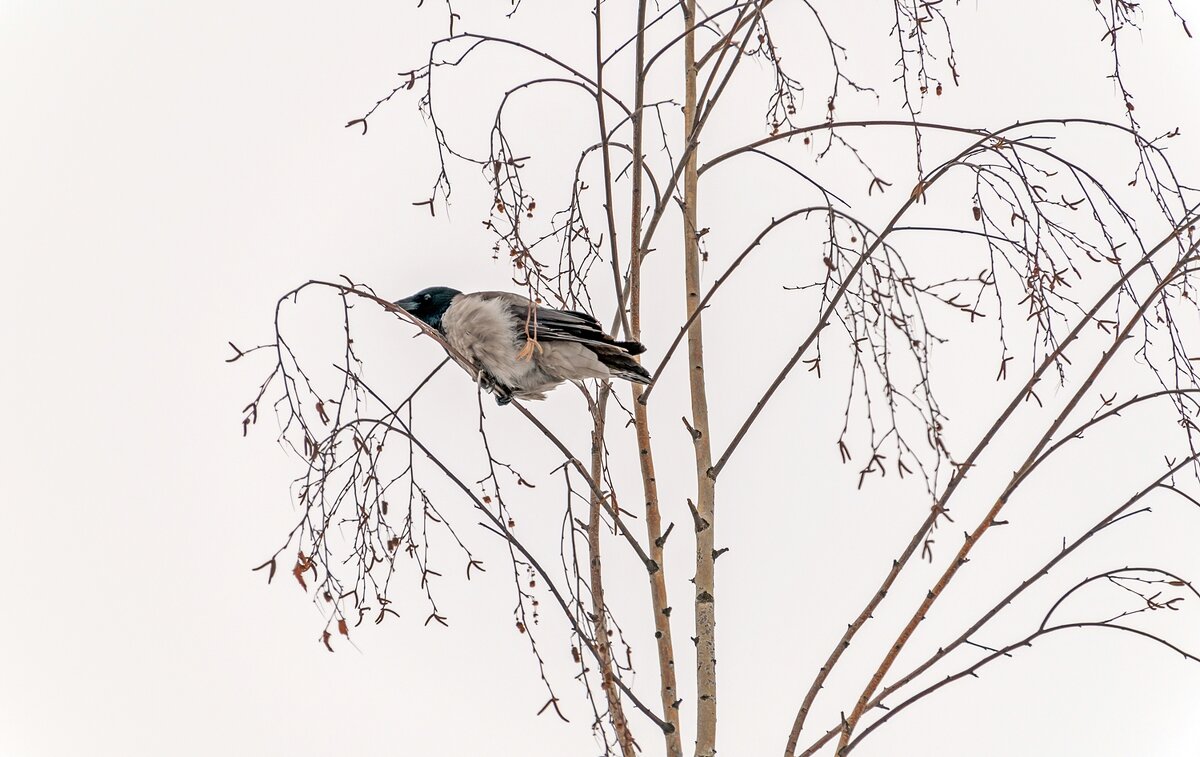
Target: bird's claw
point(503, 393)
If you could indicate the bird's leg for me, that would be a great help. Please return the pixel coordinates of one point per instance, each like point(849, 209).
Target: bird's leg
point(502, 392)
point(504, 395)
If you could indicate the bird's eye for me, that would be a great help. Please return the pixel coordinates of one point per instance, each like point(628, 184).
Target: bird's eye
point(428, 297)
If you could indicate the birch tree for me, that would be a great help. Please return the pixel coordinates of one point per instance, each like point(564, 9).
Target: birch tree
point(1059, 247)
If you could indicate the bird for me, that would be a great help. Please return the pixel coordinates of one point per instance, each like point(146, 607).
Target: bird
point(520, 349)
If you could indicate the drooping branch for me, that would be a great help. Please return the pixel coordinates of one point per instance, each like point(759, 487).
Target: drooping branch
point(939, 508)
point(1121, 512)
point(987, 522)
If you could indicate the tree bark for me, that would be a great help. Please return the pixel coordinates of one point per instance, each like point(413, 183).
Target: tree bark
point(706, 621)
point(599, 620)
point(659, 602)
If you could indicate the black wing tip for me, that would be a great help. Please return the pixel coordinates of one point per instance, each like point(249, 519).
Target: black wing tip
point(633, 348)
point(631, 370)
point(634, 374)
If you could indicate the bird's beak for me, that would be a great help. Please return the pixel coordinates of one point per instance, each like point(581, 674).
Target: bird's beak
point(409, 305)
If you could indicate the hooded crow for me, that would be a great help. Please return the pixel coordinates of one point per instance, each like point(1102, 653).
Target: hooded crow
point(520, 348)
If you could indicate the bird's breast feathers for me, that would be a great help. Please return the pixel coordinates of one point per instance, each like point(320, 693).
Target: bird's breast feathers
point(482, 329)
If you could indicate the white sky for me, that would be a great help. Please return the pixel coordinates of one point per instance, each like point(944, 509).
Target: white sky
point(170, 169)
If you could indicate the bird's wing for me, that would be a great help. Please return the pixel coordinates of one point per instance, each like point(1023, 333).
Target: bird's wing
point(548, 324)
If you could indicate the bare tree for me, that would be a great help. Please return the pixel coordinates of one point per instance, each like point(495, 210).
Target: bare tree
point(1063, 268)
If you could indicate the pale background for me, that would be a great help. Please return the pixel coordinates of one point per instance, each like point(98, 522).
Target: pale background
point(169, 169)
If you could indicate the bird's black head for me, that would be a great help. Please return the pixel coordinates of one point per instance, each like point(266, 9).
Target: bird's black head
point(429, 304)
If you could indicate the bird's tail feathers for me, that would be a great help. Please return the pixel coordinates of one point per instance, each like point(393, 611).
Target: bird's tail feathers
point(633, 348)
point(622, 366)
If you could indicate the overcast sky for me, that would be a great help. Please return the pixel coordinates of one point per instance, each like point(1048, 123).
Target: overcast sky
point(170, 169)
